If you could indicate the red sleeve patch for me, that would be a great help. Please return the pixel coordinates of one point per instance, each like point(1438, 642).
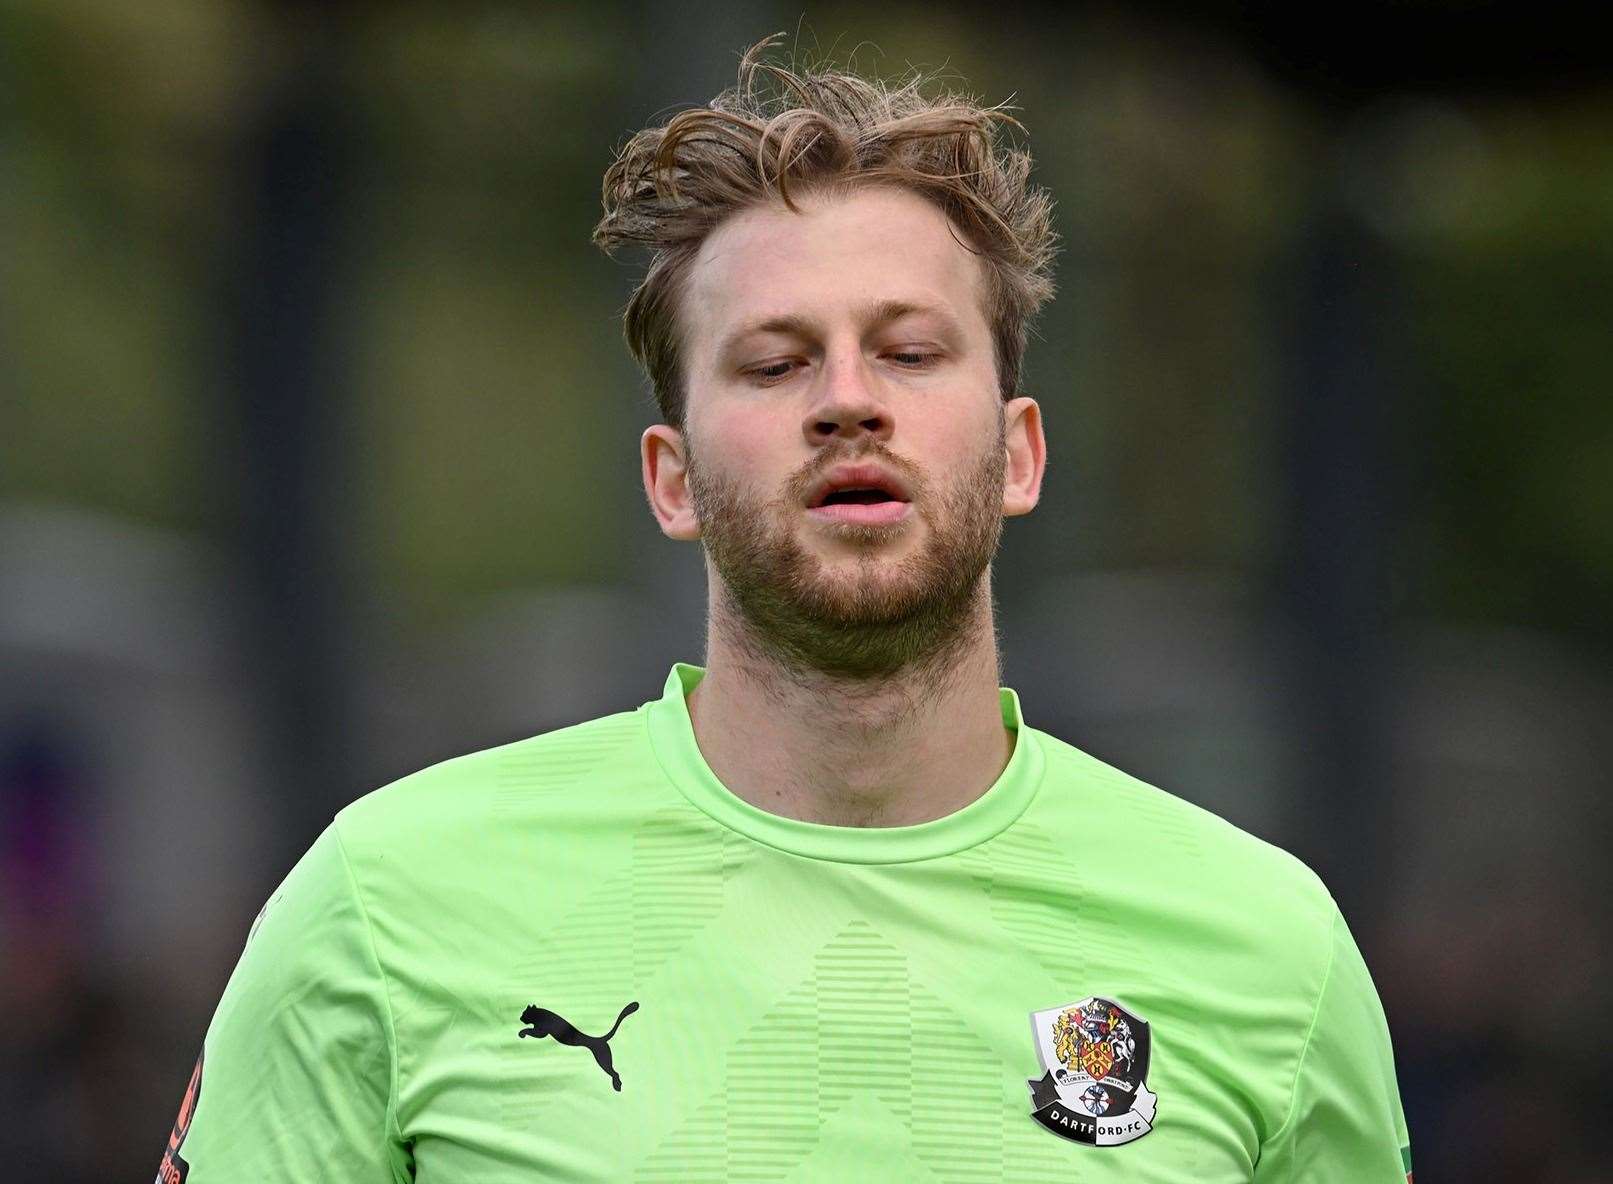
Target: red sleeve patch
point(173, 1168)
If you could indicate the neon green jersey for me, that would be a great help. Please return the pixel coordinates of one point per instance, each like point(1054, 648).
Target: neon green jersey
point(580, 958)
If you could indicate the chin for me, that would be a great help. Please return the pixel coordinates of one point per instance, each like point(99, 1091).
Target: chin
point(862, 589)
point(858, 540)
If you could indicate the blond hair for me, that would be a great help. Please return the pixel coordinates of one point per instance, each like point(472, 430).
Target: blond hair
point(671, 186)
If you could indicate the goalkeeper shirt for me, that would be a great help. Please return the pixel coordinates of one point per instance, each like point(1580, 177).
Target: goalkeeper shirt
point(580, 957)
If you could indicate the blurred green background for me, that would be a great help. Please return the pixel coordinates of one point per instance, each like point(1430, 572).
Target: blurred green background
point(318, 463)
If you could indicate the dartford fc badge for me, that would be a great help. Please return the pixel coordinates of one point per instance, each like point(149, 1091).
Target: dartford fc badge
point(1095, 1088)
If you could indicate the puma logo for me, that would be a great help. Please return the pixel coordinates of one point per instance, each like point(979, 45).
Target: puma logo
point(547, 1023)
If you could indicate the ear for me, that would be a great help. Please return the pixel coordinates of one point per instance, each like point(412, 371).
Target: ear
point(1027, 456)
point(666, 482)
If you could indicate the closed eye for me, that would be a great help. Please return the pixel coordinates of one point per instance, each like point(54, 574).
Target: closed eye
point(912, 359)
point(906, 359)
point(772, 372)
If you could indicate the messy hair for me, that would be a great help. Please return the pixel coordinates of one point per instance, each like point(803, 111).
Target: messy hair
point(781, 132)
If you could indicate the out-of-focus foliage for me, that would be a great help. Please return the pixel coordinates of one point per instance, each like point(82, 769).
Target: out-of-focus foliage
point(493, 403)
point(1503, 214)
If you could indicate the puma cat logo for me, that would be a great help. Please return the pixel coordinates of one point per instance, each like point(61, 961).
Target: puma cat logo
point(547, 1023)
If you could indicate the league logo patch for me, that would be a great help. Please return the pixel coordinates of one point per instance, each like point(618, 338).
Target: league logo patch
point(173, 1169)
point(1095, 1089)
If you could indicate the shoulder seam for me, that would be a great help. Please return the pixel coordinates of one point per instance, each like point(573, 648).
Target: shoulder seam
point(1310, 1031)
point(386, 991)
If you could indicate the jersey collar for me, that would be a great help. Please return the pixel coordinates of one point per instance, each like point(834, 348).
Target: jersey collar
point(672, 736)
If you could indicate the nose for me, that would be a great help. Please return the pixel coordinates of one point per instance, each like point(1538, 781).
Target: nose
point(849, 405)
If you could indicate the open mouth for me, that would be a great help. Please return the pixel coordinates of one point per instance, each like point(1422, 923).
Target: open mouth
point(860, 494)
point(860, 506)
point(857, 497)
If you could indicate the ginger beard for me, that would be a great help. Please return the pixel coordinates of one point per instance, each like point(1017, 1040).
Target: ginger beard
point(865, 616)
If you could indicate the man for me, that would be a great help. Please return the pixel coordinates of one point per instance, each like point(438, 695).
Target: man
point(828, 909)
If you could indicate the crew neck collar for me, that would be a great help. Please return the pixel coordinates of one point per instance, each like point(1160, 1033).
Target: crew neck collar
point(672, 737)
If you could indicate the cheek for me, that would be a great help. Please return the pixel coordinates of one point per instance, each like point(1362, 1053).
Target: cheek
point(755, 451)
point(958, 447)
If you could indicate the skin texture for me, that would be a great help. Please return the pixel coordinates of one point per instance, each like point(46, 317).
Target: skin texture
point(852, 670)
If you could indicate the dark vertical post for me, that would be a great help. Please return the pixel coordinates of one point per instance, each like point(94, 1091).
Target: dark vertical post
point(289, 396)
point(1340, 384)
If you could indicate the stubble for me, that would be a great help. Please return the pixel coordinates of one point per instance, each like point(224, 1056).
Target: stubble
point(865, 618)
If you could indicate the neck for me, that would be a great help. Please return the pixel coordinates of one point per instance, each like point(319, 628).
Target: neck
point(893, 750)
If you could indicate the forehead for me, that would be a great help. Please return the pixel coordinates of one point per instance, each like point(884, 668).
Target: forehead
point(841, 252)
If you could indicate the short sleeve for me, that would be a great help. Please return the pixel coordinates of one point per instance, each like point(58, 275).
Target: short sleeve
point(295, 1076)
point(1345, 1120)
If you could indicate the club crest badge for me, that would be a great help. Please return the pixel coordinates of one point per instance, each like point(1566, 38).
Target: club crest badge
point(1094, 1090)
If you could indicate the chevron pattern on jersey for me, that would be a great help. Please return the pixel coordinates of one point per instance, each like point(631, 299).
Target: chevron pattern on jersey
point(560, 761)
point(682, 866)
point(858, 1055)
point(672, 887)
point(1036, 891)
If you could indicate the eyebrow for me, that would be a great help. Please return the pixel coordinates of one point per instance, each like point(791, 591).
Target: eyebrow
point(872, 315)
